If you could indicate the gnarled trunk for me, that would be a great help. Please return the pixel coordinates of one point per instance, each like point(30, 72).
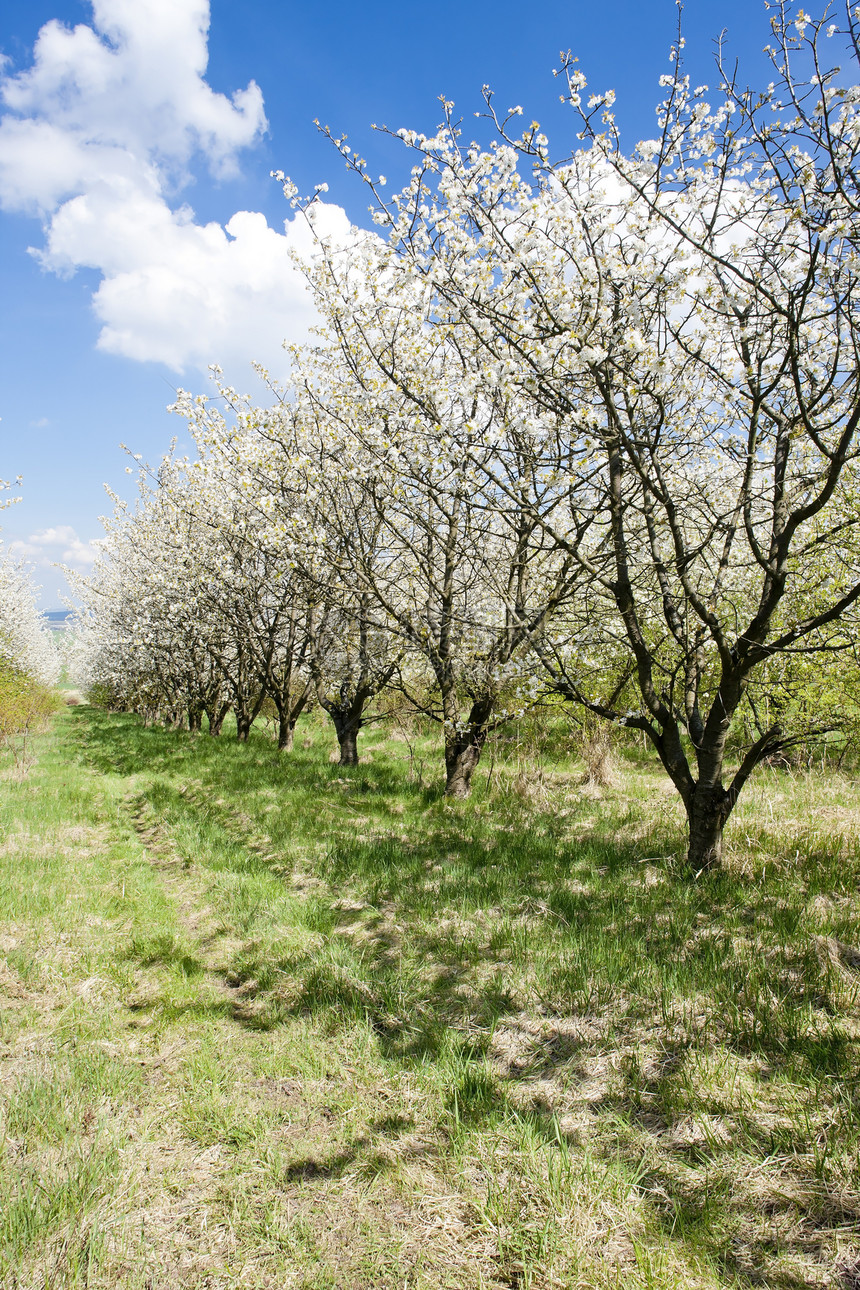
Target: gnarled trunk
point(346, 715)
point(707, 813)
point(195, 718)
point(346, 727)
point(289, 711)
point(460, 764)
point(286, 732)
point(243, 726)
point(463, 748)
point(216, 717)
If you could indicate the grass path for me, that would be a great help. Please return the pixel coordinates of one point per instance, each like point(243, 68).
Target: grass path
point(267, 1024)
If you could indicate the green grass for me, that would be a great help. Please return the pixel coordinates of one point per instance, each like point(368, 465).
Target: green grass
point(276, 1023)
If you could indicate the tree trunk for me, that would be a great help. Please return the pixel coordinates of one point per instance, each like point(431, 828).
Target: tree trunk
point(286, 732)
point(463, 748)
point(243, 726)
point(195, 719)
point(346, 717)
point(462, 754)
point(347, 738)
point(707, 813)
point(216, 718)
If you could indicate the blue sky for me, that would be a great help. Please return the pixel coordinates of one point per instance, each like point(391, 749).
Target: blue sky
point(134, 134)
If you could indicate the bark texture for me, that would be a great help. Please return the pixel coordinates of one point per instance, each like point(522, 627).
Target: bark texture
point(707, 813)
point(216, 718)
point(347, 738)
point(286, 732)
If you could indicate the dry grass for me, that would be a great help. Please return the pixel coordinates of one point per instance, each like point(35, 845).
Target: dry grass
point(273, 1025)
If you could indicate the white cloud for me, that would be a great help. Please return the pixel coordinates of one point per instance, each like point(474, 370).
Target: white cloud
point(59, 545)
point(98, 136)
point(128, 90)
point(184, 293)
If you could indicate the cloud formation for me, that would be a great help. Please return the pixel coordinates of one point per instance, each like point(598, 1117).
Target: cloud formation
point(57, 545)
point(49, 553)
point(97, 137)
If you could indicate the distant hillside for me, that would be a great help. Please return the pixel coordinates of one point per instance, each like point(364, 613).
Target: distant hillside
point(57, 619)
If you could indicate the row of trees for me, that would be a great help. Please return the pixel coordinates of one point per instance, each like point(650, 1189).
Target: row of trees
point(29, 659)
point(28, 653)
point(585, 427)
point(27, 648)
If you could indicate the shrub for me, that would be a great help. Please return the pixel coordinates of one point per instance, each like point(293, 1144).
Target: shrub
point(25, 706)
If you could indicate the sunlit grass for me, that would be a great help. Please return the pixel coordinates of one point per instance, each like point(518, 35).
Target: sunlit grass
point(359, 1035)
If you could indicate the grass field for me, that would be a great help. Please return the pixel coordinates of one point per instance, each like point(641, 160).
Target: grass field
point(270, 1022)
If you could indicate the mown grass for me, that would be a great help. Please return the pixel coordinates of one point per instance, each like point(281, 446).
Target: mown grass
point(274, 1022)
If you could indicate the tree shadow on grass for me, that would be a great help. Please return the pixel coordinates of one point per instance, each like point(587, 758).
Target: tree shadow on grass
point(312, 1168)
point(119, 743)
point(610, 934)
point(446, 914)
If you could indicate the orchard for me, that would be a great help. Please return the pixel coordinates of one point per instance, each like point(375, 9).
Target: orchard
point(577, 427)
point(447, 874)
